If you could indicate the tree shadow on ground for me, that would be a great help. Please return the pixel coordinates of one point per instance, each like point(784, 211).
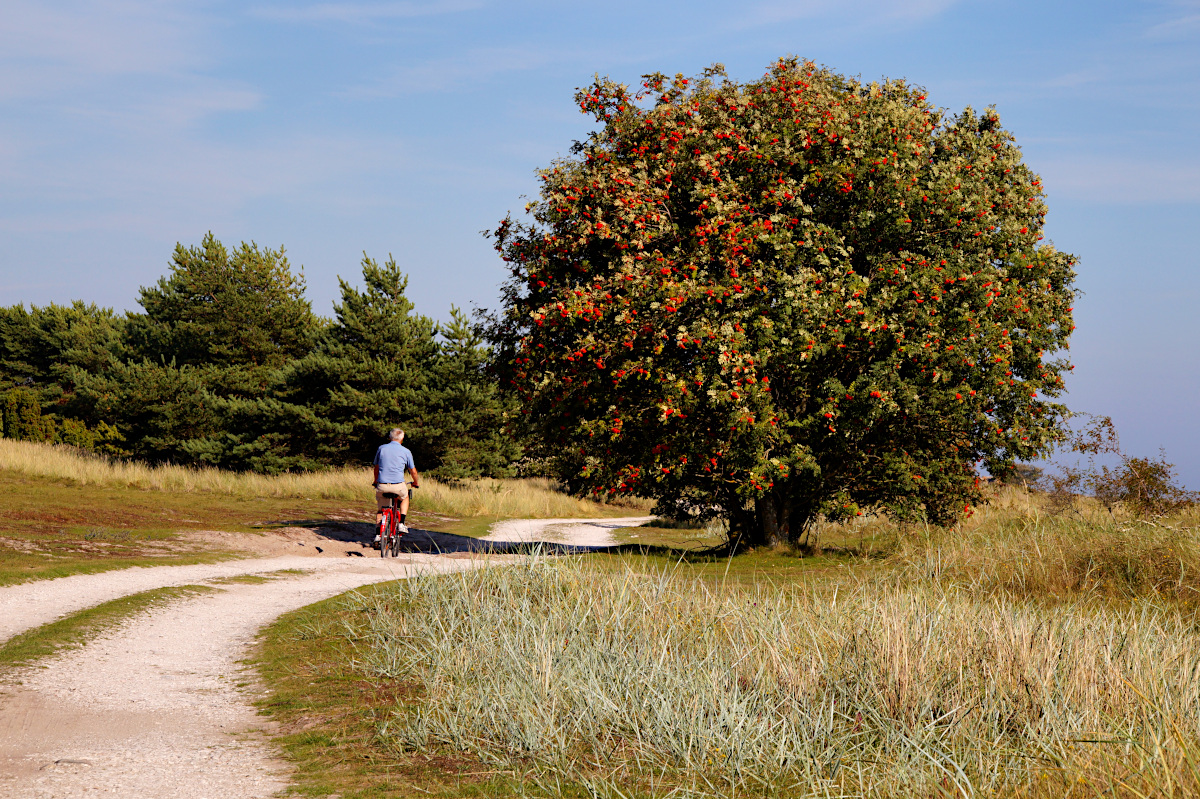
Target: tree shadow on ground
point(433, 542)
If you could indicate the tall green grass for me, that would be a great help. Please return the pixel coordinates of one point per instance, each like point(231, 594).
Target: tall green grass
point(645, 683)
point(501, 498)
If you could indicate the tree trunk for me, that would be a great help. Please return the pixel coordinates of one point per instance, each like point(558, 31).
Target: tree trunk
point(776, 519)
point(773, 517)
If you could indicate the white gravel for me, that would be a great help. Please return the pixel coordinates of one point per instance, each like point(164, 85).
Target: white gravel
point(154, 709)
point(29, 605)
point(575, 532)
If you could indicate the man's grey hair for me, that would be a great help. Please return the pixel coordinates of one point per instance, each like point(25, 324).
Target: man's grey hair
point(396, 435)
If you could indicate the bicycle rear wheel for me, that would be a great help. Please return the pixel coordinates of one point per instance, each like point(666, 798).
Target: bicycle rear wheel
point(396, 534)
point(385, 532)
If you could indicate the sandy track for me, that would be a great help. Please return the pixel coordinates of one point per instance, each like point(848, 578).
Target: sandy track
point(572, 532)
point(153, 709)
point(29, 605)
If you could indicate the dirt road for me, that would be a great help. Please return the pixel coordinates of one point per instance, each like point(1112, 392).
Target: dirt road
point(158, 707)
point(571, 532)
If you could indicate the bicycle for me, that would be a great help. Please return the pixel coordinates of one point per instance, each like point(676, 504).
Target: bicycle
point(389, 526)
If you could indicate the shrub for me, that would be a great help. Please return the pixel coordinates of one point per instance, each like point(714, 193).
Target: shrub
point(22, 414)
point(1144, 487)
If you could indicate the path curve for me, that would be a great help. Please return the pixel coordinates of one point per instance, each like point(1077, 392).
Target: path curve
point(572, 532)
point(154, 708)
point(29, 605)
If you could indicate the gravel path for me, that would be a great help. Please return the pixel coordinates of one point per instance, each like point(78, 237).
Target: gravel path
point(29, 605)
point(574, 532)
point(154, 708)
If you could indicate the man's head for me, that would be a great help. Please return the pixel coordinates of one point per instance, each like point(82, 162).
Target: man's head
point(396, 435)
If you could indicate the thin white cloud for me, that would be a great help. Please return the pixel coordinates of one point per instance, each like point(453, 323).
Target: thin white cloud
point(1183, 21)
point(363, 12)
point(46, 46)
point(772, 13)
point(1077, 78)
point(1184, 27)
point(159, 111)
point(153, 184)
point(130, 66)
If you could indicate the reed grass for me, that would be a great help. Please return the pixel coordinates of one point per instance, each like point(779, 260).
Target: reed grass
point(583, 680)
point(527, 498)
point(1014, 546)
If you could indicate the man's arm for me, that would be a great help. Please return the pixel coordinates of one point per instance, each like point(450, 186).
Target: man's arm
point(416, 477)
point(376, 481)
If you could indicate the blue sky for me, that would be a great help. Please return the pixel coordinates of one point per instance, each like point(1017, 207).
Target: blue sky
point(408, 127)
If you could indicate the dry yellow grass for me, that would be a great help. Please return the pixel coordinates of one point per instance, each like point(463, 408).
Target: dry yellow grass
point(572, 675)
point(530, 498)
point(1014, 546)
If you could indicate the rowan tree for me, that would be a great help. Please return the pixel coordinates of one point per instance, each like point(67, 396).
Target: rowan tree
point(794, 298)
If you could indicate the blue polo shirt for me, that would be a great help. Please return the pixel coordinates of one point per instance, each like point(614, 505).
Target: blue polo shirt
point(392, 459)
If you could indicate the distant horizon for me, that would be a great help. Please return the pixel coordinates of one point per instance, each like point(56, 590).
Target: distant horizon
point(334, 128)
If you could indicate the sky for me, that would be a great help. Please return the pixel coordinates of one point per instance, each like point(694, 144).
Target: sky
point(409, 126)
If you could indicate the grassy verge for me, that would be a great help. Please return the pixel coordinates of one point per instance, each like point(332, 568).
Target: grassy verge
point(64, 512)
point(22, 568)
point(588, 681)
point(55, 528)
point(531, 498)
point(1014, 548)
point(1021, 654)
point(256, 579)
point(74, 630)
point(330, 712)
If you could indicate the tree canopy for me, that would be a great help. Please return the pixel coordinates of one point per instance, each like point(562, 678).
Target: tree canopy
point(794, 298)
point(228, 366)
point(217, 308)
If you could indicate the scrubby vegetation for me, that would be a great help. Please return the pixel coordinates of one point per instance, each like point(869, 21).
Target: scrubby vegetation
point(645, 679)
point(1025, 653)
point(1018, 547)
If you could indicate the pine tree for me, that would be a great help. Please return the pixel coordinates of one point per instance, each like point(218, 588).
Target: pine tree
point(241, 310)
point(214, 335)
point(370, 371)
point(39, 346)
point(22, 416)
point(472, 416)
point(41, 349)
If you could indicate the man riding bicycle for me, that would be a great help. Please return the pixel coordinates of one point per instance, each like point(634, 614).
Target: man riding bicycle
point(391, 461)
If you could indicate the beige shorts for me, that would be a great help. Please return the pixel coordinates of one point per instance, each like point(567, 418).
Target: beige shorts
point(391, 488)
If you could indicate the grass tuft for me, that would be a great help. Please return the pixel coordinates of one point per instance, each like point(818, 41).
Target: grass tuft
point(587, 680)
point(1015, 548)
point(328, 712)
